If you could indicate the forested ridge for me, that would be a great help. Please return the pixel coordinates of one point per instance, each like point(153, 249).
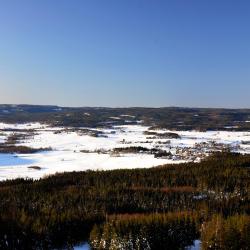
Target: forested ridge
point(174, 118)
point(152, 208)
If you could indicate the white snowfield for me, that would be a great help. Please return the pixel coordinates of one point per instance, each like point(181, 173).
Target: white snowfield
point(74, 151)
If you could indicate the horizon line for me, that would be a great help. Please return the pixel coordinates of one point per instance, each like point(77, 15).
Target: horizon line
point(124, 107)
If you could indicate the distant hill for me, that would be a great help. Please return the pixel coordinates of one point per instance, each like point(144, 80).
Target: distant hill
point(176, 118)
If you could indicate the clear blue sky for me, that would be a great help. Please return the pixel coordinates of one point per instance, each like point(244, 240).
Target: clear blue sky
point(125, 52)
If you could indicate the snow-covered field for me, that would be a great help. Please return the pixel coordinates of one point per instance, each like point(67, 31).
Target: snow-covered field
point(78, 150)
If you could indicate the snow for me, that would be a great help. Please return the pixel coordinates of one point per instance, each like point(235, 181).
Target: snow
point(58, 109)
point(115, 118)
point(6, 111)
point(84, 246)
point(2, 138)
point(124, 115)
point(196, 245)
point(67, 145)
point(34, 125)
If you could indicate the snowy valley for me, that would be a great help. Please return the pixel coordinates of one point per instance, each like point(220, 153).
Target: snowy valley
point(65, 149)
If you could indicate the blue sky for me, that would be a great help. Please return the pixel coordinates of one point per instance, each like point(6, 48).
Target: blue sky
point(125, 52)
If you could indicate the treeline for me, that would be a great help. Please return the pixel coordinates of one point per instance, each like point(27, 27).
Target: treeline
point(60, 210)
point(11, 146)
point(165, 135)
point(158, 153)
point(13, 149)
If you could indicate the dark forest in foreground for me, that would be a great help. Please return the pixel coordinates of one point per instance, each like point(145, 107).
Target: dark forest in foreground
point(175, 118)
point(159, 208)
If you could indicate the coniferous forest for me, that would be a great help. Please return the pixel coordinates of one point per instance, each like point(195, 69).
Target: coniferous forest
point(165, 207)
